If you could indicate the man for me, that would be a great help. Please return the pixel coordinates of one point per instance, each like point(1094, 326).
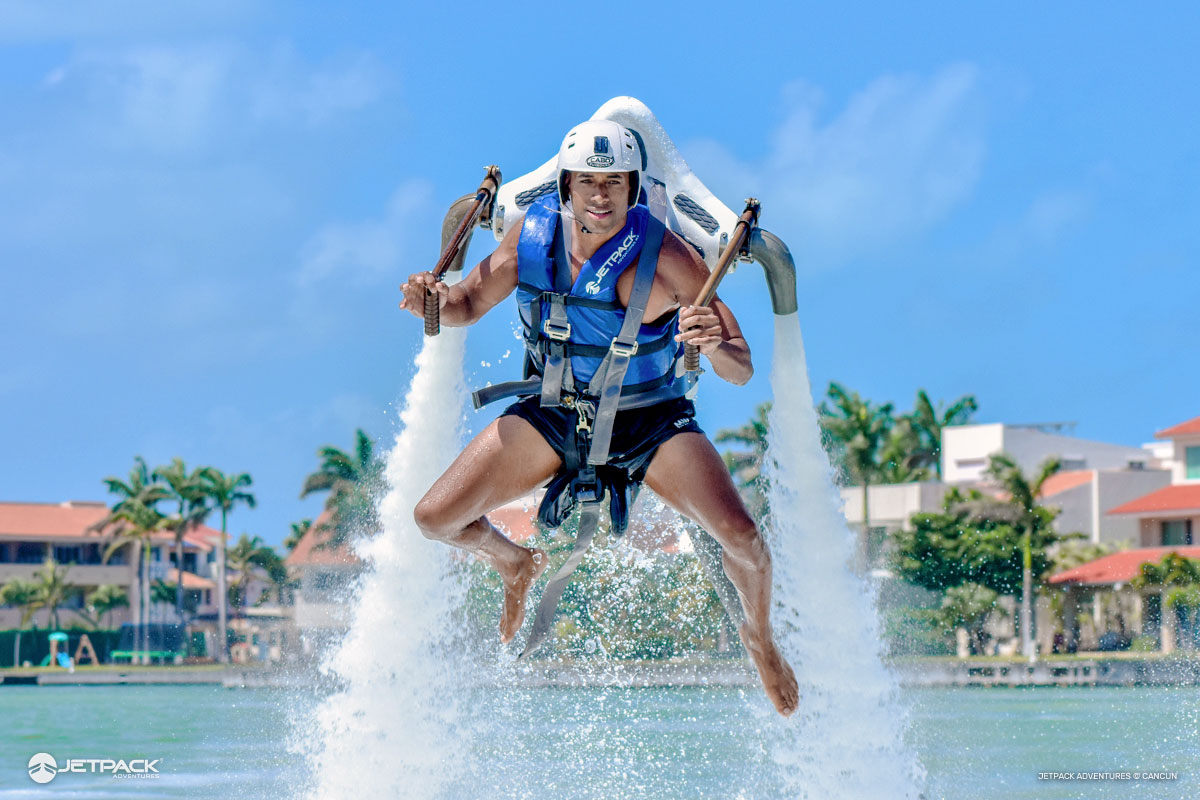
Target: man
point(576, 261)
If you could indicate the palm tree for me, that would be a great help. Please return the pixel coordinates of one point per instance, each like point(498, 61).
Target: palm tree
point(1023, 493)
point(188, 490)
point(900, 457)
point(105, 599)
point(23, 594)
point(353, 482)
point(746, 466)
point(135, 523)
point(857, 429)
point(298, 530)
point(928, 423)
point(53, 590)
point(226, 491)
point(247, 555)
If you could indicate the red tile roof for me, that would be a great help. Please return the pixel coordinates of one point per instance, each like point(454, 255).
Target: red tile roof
point(1061, 482)
point(307, 552)
point(74, 518)
point(1119, 567)
point(1182, 429)
point(1179, 497)
point(190, 580)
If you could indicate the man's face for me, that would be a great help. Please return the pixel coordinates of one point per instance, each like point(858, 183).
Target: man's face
point(600, 199)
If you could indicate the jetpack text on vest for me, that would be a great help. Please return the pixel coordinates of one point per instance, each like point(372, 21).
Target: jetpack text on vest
point(593, 286)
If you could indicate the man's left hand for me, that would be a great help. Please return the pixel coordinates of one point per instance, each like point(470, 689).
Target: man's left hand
point(699, 325)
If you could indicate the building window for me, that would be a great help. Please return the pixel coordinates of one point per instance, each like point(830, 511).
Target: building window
point(64, 554)
point(1192, 456)
point(31, 553)
point(1176, 532)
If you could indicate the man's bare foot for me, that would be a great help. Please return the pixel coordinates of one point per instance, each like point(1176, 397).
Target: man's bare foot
point(776, 674)
point(517, 584)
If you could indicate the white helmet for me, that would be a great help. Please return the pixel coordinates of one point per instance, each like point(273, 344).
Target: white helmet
point(601, 145)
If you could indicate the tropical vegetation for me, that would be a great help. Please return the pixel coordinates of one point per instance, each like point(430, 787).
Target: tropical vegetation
point(354, 482)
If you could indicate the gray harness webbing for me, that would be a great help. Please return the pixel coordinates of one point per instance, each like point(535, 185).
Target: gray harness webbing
point(606, 386)
point(606, 382)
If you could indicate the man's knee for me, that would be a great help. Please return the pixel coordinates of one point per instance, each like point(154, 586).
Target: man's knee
point(741, 540)
point(433, 518)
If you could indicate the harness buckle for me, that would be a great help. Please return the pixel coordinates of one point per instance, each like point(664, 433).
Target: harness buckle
point(557, 332)
point(625, 350)
point(585, 410)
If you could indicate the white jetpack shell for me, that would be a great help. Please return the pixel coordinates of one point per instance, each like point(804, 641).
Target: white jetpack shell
point(674, 194)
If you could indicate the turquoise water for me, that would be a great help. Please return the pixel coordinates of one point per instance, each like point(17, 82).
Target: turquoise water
point(610, 743)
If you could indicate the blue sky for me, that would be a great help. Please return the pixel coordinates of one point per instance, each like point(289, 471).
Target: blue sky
point(206, 209)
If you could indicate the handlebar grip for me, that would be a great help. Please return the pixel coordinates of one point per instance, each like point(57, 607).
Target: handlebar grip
point(433, 314)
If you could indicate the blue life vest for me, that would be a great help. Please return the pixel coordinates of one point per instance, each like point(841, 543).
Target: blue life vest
point(593, 310)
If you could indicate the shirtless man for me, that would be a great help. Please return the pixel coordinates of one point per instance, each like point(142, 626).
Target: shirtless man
point(524, 448)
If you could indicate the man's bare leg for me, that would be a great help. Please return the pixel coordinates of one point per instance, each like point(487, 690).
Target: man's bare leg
point(689, 475)
point(506, 460)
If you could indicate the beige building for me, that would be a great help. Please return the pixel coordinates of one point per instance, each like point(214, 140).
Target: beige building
point(32, 532)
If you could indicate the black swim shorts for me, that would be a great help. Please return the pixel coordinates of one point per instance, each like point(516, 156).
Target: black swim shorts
point(637, 432)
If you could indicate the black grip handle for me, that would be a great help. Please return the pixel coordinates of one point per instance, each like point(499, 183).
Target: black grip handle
point(691, 357)
point(433, 314)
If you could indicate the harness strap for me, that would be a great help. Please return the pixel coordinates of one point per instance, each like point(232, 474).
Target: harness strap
point(490, 394)
point(606, 382)
point(554, 372)
point(589, 521)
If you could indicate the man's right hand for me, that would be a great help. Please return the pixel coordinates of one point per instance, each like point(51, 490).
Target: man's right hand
point(416, 287)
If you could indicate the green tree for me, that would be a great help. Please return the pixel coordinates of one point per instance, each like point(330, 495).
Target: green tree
point(248, 555)
point(298, 530)
point(53, 589)
point(856, 430)
point(165, 593)
point(1178, 578)
point(928, 423)
point(1023, 492)
point(23, 594)
point(188, 491)
point(900, 456)
point(746, 466)
point(134, 524)
point(105, 599)
point(969, 606)
point(972, 540)
point(354, 482)
point(225, 492)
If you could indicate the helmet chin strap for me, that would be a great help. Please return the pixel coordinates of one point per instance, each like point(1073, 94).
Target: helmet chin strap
point(569, 212)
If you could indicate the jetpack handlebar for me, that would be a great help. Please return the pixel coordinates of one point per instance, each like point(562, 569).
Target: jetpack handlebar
point(454, 247)
point(738, 247)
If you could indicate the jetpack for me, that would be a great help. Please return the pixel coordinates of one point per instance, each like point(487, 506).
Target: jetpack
point(678, 199)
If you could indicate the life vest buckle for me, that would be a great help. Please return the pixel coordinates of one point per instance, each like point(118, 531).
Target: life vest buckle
point(556, 331)
point(624, 350)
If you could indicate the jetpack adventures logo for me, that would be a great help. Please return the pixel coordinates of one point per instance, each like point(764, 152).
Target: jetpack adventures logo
point(44, 767)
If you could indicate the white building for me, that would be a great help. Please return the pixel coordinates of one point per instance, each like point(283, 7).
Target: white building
point(966, 449)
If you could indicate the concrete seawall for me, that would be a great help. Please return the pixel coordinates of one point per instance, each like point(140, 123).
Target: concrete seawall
point(911, 673)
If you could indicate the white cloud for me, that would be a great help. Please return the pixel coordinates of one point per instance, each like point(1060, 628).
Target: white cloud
point(895, 161)
point(367, 251)
point(172, 98)
point(57, 20)
point(1052, 212)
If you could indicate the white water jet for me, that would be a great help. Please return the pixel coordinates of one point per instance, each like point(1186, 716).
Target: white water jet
point(847, 738)
point(389, 728)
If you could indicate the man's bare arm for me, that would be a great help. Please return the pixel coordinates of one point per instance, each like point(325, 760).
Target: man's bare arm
point(465, 302)
point(713, 329)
